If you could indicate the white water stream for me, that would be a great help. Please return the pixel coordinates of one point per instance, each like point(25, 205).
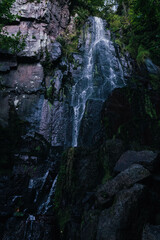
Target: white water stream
point(85, 88)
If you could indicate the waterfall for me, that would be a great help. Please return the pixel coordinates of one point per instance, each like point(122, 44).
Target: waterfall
point(46, 205)
point(102, 72)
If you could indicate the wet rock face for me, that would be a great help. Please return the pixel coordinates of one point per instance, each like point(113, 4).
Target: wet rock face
point(29, 123)
point(30, 228)
point(26, 205)
point(24, 83)
point(55, 123)
point(27, 78)
point(90, 129)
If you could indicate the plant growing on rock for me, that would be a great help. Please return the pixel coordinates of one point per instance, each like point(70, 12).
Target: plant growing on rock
point(15, 42)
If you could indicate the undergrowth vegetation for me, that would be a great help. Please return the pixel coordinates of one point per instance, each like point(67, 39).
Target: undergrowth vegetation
point(136, 25)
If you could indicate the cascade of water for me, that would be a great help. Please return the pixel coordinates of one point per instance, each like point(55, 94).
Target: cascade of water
point(99, 58)
point(46, 205)
point(43, 179)
point(28, 227)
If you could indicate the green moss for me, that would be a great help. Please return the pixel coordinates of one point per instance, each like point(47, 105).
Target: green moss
point(63, 218)
point(155, 81)
point(50, 92)
point(64, 187)
point(59, 187)
point(50, 104)
point(18, 214)
point(149, 108)
point(38, 148)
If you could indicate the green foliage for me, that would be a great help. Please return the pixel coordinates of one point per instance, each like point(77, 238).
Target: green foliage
point(92, 6)
point(138, 23)
point(142, 55)
point(14, 43)
point(18, 214)
point(85, 8)
point(5, 14)
point(149, 108)
point(47, 64)
point(61, 40)
point(38, 148)
point(69, 44)
point(81, 17)
point(115, 22)
point(154, 81)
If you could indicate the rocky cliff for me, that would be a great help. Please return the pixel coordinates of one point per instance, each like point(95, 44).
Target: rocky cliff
point(29, 123)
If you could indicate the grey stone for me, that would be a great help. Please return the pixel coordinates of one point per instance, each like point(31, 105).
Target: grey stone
point(116, 223)
point(58, 76)
point(8, 64)
point(55, 51)
point(27, 78)
point(35, 37)
point(32, 9)
point(4, 112)
point(123, 180)
point(89, 225)
point(145, 158)
point(55, 122)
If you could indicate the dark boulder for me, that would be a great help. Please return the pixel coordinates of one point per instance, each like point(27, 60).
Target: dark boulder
point(124, 220)
point(123, 180)
point(151, 232)
point(90, 129)
point(110, 152)
point(89, 225)
point(145, 158)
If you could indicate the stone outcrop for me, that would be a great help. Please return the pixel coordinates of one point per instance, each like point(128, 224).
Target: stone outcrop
point(123, 180)
point(146, 158)
point(24, 79)
point(115, 222)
